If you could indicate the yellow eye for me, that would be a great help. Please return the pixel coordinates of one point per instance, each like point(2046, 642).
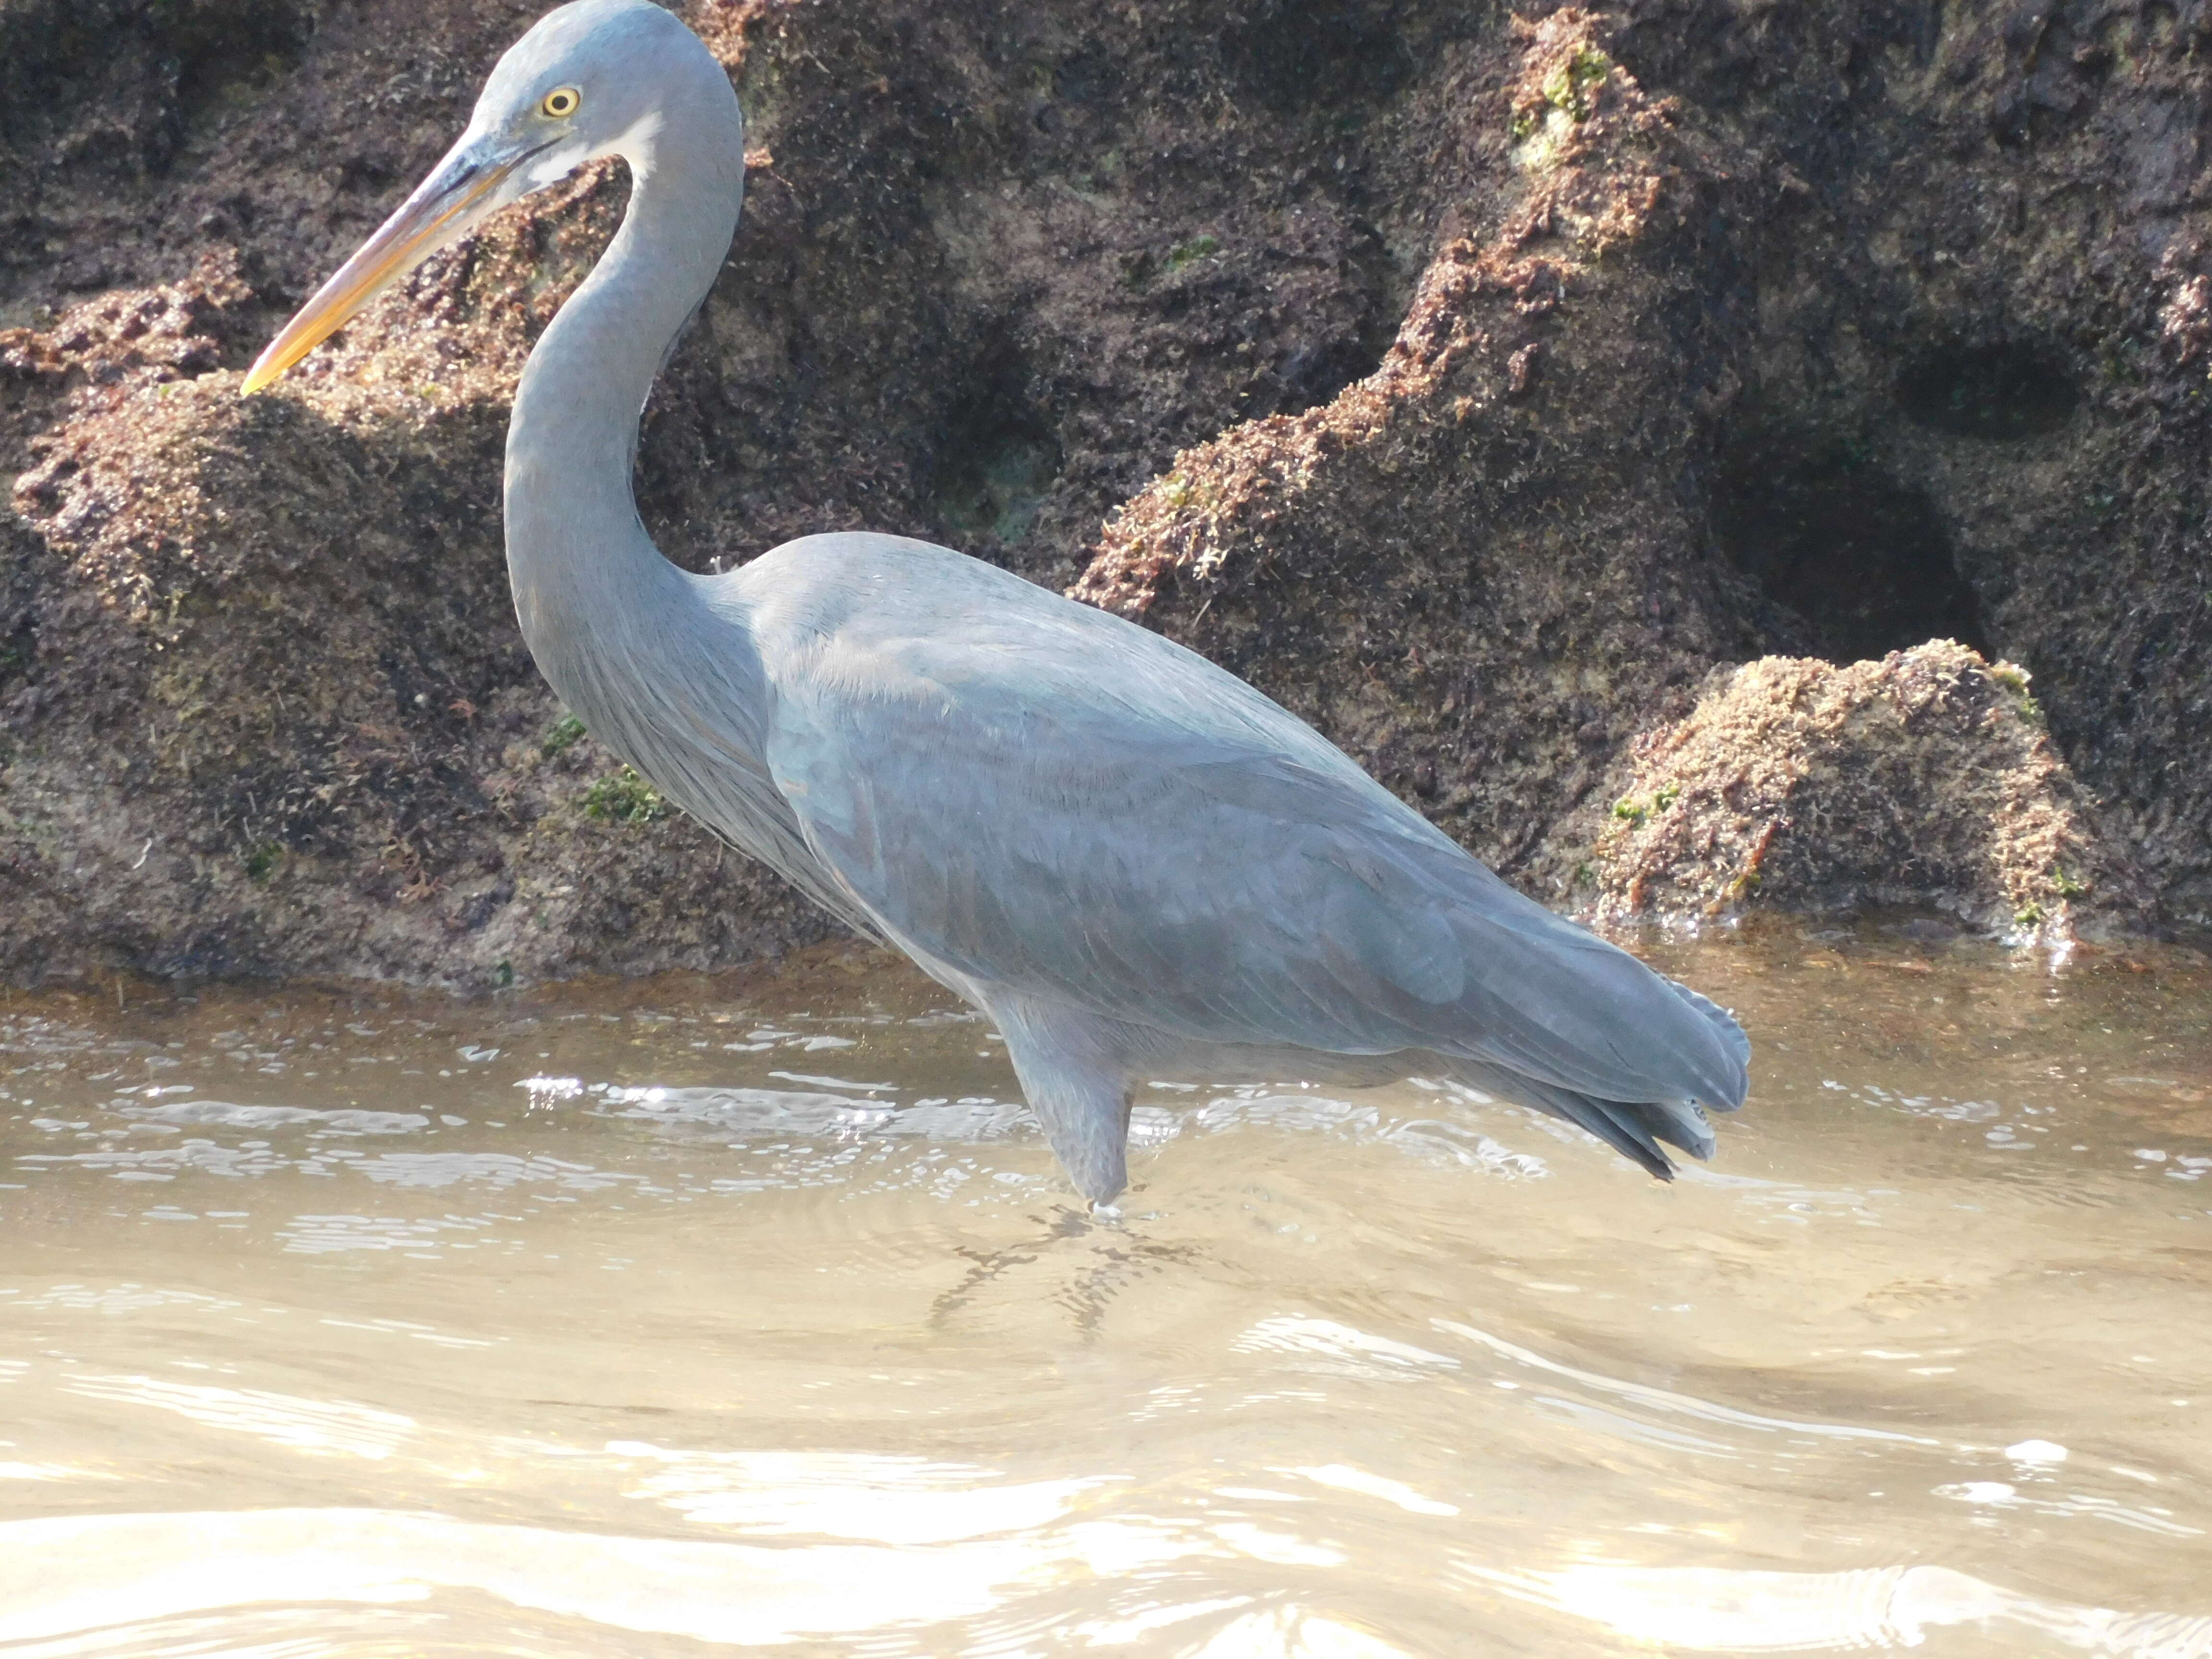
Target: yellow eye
point(562, 101)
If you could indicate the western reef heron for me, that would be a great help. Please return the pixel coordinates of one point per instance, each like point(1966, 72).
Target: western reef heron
point(1134, 863)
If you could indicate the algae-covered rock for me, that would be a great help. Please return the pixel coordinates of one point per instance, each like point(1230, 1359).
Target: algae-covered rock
point(1697, 392)
point(1490, 388)
point(1474, 567)
point(1926, 778)
point(275, 715)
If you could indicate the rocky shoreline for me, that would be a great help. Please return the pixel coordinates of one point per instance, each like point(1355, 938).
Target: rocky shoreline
point(1710, 458)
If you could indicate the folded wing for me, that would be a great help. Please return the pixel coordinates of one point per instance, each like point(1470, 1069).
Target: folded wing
point(1052, 801)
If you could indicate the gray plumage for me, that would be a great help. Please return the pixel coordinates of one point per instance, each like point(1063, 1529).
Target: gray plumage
point(1132, 862)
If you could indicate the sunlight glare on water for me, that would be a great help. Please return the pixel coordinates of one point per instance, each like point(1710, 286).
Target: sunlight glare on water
point(671, 1317)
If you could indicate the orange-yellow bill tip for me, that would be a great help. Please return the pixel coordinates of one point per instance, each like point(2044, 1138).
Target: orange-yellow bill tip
point(295, 343)
point(381, 260)
point(429, 221)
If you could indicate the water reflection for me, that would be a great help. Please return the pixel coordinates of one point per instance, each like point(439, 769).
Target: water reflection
point(131, 1583)
point(112, 1570)
point(1711, 1610)
point(315, 1425)
point(621, 1320)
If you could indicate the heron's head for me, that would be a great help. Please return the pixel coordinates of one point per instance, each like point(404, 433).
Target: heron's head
point(593, 78)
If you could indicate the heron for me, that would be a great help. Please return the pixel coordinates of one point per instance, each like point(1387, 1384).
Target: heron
point(1134, 863)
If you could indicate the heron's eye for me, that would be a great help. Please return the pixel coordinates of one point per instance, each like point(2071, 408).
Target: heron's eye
point(562, 101)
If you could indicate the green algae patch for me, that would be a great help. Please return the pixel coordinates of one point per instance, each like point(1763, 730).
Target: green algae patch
point(624, 797)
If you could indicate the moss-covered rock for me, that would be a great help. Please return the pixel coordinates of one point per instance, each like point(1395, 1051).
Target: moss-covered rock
point(1925, 778)
point(1480, 384)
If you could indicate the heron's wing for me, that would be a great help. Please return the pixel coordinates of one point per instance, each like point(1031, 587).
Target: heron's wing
point(1073, 808)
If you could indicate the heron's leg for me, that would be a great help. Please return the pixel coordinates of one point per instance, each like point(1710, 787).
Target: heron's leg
point(1075, 1080)
point(1089, 1129)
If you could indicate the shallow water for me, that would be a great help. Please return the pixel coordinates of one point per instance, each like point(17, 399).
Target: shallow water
point(657, 1318)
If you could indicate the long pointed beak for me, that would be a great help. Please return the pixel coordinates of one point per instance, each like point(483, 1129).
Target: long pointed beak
point(457, 196)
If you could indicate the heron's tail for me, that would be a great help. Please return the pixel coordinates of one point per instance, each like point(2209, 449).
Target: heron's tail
point(1632, 1128)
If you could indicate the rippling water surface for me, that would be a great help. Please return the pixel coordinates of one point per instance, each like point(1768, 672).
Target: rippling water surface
point(675, 1316)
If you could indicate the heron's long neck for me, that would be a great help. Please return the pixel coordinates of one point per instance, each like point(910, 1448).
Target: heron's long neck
point(594, 594)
